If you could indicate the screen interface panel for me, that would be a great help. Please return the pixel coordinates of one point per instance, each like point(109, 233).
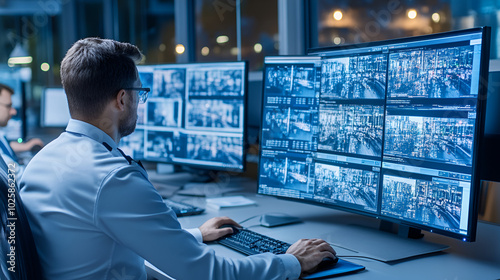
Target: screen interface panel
point(387, 130)
point(194, 115)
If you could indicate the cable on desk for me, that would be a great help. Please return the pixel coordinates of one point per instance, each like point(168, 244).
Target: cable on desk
point(271, 213)
point(361, 257)
point(248, 219)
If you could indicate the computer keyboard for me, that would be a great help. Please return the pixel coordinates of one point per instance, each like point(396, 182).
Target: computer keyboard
point(250, 242)
point(183, 209)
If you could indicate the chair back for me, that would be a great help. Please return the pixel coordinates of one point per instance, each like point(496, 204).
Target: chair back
point(19, 256)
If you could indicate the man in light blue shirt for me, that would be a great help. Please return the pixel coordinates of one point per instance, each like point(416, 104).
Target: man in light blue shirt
point(94, 213)
point(7, 111)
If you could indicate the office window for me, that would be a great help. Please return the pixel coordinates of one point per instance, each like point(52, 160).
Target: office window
point(151, 26)
point(217, 30)
point(337, 22)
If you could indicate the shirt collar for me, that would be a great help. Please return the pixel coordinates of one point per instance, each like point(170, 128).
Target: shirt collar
point(86, 129)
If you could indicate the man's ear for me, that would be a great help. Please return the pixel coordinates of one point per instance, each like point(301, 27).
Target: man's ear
point(121, 99)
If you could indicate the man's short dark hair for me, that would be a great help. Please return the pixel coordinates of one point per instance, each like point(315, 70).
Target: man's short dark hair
point(7, 88)
point(94, 70)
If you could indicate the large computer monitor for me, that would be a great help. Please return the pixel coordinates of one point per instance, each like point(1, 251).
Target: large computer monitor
point(195, 116)
point(386, 129)
point(54, 111)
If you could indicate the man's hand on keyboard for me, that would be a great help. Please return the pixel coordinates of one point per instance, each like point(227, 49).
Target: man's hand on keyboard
point(310, 252)
point(212, 229)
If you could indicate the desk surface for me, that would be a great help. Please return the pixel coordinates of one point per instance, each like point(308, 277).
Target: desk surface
point(477, 260)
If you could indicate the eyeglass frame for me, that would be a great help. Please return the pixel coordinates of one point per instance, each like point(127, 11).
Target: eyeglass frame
point(8, 106)
point(142, 96)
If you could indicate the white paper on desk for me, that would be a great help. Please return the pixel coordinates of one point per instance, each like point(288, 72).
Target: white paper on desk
point(229, 201)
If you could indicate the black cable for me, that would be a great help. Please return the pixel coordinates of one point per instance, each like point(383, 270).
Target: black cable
point(248, 219)
point(361, 257)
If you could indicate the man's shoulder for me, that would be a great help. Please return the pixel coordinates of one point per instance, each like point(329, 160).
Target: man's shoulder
point(71, 158)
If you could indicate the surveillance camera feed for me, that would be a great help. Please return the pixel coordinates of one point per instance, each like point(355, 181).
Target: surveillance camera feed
point(194, 116)
point(387, 129)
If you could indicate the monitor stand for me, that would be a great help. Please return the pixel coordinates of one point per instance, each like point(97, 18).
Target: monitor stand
point(382, 244)
point(210, 184)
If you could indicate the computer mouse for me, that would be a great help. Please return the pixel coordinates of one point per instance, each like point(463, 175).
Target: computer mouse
point(235, 228)
point(328, 263)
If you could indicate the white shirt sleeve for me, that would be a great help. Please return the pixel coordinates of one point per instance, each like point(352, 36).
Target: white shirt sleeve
point(130, 211)
point(196, 233)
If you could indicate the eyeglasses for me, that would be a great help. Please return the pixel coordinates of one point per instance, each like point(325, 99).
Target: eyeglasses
point(142, 92)
point(8, 106)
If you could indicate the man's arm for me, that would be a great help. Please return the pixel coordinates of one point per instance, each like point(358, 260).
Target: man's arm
point(132, 212)
point(25, 146)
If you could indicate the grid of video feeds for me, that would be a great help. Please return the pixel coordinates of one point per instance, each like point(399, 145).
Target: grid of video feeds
point(214, 148)
point(290, 125)
point(384, 129)
point(164, 112)
point(215, 82)
point(210, 114)
point(288, 171)
point(133, 144)
point(354, 77)
point(447, 140)
point(355, 129)
point(160, 144)
point(352, 186)
point(437, 203)
point(291, 80)
point(169, 83)
point(194, 115)
point(431, 73)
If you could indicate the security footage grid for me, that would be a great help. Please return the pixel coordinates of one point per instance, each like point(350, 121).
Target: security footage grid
point(355, 129)
point(186, 100)
point(435, 85)
point(291, 80)
point(352, 186)
point(289, 128)
point(443, 140)
point(356, 77)
point(432, 73)
point(429, 202)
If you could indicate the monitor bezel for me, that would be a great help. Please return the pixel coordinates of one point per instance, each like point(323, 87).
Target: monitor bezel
point(245, 116)
point(479, 130)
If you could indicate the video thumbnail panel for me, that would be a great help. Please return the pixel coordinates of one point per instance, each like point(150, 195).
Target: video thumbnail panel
point(141, 114)
point(164, 112)
point(215, 82)
point(291, 80)
point(133, 144)
point(350, 187)
point(227, 150)
point(160, 145)
point(215, 114)
point(437, 203)
point(273, 171)
point(431, 73)
point(446, 140)
point(287, 171)
point(290, 125)
point(355, 77)
point(146, 77)
point(349, 128)
point(169, 83)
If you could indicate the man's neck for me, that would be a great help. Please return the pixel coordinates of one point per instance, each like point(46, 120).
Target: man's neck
point(105, 124)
